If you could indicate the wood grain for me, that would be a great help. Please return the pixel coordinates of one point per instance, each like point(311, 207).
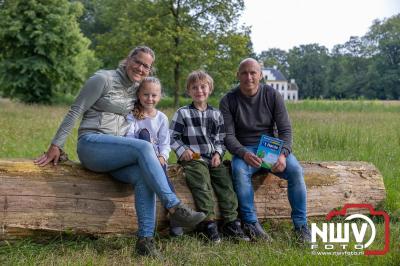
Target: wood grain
point(68, 198)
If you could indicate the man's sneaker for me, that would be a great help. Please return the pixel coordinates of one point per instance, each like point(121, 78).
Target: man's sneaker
point(145, 246)
point(256, 232)
point(210, 230)
point(303, 234)
point(234, 231)
point(186, 217)
point(174, 230)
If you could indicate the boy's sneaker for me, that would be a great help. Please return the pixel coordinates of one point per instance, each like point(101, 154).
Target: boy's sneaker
point(256, 232)
point(174, 230)
point(145, 246)
point(210, 230)
point(303, 234)
point(186, 217)
point(234, 231)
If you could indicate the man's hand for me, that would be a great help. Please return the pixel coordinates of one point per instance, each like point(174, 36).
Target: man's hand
point(280, 165)
point(252, 160)
point(52, 155)
point(187, 155)
point(215, 160)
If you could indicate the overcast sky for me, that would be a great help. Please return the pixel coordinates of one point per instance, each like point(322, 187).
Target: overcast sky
point(287, 23)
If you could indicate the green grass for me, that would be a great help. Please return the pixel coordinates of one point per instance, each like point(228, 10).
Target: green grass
point(323, 131)
point(188, 250)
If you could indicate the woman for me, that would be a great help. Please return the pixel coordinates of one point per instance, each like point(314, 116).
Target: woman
point(105, 100)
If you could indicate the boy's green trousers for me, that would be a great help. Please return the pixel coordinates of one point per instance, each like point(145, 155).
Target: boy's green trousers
point(202, 179)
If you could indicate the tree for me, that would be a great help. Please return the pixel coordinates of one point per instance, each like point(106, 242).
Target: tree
point(42, 49)
point(384, 72)
point(88, 22)
point(276, 57)
point(348, 68)
point(185, 34)
point(308, 65)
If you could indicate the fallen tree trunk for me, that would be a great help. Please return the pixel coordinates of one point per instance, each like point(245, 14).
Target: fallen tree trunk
point(68, 198)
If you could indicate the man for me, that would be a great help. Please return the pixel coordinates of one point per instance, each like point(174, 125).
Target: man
point(250, 110)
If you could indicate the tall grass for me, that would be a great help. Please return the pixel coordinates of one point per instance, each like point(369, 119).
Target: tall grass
point(323, 131)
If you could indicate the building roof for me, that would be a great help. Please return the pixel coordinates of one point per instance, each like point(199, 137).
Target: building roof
point(271, 73)
point(293, 86)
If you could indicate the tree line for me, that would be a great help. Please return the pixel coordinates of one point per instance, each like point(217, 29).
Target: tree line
point(49, 48)
point(363, 67)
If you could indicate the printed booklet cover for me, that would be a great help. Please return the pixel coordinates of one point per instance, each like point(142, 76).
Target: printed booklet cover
point(269, 150)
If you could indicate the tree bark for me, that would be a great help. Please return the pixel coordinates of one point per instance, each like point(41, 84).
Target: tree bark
point(70, 199)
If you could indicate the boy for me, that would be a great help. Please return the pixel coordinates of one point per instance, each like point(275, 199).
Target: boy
point(197, 137)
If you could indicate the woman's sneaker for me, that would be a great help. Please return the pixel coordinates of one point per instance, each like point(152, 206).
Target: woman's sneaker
point(234, 231)
point(145, 246)
point(186, 217)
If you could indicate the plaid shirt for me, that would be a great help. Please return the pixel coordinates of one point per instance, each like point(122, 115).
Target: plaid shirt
point(201, 131)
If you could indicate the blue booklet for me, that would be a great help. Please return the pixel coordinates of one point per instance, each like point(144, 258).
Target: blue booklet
point(269, 150)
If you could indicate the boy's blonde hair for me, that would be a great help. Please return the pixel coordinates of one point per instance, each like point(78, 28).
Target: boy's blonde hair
point(199, 75)
point(137, 111)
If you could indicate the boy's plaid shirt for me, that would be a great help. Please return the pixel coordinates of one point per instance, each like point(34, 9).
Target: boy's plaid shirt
point(202, 132)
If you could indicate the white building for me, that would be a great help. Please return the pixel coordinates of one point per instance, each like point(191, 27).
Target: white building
point(274, 78)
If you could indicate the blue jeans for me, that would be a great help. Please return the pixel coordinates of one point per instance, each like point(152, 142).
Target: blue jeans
point(144, 134)
point(297, 194)
point(131, 161)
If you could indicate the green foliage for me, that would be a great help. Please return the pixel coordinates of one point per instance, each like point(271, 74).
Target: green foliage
point(186, 35)
point(347, 71)
point(275, 57)
point(384, 73)
point(363, 67)
point(42, 49)
point(308, 65)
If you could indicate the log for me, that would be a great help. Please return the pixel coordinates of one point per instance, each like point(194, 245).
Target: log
point(70, 199)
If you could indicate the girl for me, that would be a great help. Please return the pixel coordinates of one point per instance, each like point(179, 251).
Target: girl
point(147, 123)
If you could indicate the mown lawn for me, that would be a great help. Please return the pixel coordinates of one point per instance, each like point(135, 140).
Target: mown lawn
point(323, 131)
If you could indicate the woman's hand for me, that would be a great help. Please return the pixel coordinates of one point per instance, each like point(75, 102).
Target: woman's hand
point(52, 155)
point(187, 155)
point(215, 160)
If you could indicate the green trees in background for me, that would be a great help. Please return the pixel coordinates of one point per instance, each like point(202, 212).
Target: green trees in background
point(384, 72)
point(186, 35)
point(275, 57)
point(348, 69)
point(48, 48)
point(367, 66)
point(42, 49)
point(307, 64)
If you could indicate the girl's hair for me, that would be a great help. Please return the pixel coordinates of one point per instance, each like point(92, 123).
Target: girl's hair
point(137, 50)
point(199, 75)
point(138, 111)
